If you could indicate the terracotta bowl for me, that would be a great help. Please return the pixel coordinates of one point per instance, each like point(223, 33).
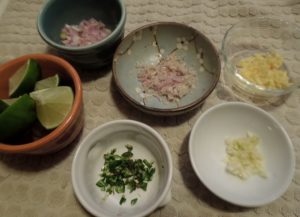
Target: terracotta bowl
point(69, 129)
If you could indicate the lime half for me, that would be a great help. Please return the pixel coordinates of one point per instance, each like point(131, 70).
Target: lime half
point(53, 105)
point(17, 118)
point(24, 79)
point(52, 81)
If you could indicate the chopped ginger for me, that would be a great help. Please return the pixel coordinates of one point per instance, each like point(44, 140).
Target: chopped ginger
point(265, 70)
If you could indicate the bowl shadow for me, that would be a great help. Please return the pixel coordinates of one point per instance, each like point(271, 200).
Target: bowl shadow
point(232, 94)
point(35, 163)
point(131, 112)
point(86, 74)
point(199, 190)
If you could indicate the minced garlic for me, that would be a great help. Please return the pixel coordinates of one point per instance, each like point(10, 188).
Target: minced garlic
point(265, 69)
point(243, 158)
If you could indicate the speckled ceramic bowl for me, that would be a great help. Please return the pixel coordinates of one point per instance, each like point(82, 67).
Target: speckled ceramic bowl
point(40, 141)
point(56, 13)
point(147, 46)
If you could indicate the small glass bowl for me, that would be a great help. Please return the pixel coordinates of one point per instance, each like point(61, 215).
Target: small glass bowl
point(260, 36)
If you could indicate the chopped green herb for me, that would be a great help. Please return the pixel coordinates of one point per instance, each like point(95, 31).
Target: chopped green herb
point(133, 201)
point(127, 154)
point(121, 172)
point(129, 147)
point(149, 164)
point(144, 186)
point(122, 200)
point(120, 189)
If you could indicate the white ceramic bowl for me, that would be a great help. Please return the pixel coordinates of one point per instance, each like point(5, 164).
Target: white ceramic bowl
point(207, 152)
point(88, 161)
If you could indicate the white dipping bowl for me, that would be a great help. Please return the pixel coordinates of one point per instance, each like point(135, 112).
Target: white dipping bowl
point(89, 160)
point(207, 150)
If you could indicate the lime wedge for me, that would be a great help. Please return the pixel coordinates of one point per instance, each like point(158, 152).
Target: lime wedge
point(52, 81)
point(10, 101)
point(4, 103)
point(24, 79)
point(17, 118)
point(53, 105)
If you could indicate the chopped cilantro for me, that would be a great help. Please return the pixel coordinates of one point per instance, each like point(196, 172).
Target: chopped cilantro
point(121, 172)
point(122, 200)
point(133, 201)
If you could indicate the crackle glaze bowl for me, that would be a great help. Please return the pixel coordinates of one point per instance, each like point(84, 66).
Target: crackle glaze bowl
point(55, 14)
point(148, 46)
point(42, 141)
point(89, 160)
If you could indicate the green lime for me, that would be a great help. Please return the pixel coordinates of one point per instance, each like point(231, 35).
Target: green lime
point(24, 79)
point(10, 101)
point(4, 103)
point(53, 105)
point(52, 81)
point(17, 117)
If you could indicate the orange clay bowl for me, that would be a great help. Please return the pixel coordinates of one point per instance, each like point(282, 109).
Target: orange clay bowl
point(70, 128)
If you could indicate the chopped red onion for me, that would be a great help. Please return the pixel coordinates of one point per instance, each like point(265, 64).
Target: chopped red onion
point(86, 33)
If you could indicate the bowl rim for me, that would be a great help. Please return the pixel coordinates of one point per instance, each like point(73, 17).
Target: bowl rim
point(280, 127)
point(261, 91)
point(57, 132)
point(89, 140)
point(49, 41)
point(168, 111)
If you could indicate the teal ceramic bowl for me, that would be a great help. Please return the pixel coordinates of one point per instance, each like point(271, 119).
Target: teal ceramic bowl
point(56, 13)
point(146, 48)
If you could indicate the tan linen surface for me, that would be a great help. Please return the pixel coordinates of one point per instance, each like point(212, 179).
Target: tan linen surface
point(41, 186)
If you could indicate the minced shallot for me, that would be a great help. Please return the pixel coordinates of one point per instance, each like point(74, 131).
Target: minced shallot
point(170, 78)
point(86, 33)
